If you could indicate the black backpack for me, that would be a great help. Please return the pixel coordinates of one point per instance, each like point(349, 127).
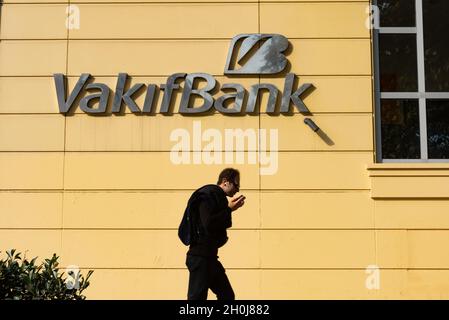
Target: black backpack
point(185, 228)
point(190, 229)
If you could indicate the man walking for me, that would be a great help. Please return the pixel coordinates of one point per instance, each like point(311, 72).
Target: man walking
point(210, 212)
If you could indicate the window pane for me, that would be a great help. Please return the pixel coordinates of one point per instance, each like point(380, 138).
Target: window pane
point(397, 13)
point(397, 63)
point(438, 129)
point(400, 129)
point(436, 44)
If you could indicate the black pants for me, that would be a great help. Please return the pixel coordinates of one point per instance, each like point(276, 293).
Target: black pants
point(207, 273)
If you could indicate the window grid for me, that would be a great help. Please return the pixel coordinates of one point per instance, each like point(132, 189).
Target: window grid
point(421, 95)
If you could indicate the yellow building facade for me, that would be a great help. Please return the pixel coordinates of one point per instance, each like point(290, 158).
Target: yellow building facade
point(103, 193)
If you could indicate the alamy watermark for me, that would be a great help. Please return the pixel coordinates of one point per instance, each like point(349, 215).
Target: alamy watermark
point(226, 147)
point(372, 281)
point(73, 19)
point(73, 277)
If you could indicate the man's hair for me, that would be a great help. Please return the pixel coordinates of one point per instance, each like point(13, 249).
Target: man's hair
point(230, 174)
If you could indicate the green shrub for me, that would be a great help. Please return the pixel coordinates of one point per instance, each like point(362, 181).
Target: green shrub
point(21, 279)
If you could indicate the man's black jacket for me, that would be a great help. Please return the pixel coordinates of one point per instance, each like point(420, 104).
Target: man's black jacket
point(211, 216)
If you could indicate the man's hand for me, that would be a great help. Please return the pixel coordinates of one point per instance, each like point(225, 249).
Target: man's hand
point(237, 202)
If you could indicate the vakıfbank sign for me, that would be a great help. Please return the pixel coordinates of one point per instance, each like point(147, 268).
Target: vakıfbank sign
point(249, 54)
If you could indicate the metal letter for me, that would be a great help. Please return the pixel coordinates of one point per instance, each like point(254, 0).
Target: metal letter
point(297, 101)
point(287, 95)
point(60, 83)
point(126, 98)
point(254, 94)
point(204, 93)
point(168, 90)
point(103, 95)
point(149, 98)
point(238, 96)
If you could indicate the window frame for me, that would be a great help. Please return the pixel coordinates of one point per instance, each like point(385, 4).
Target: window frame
point(421, 95)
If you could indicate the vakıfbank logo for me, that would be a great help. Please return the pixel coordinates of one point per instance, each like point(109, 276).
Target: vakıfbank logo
point(257, 54)
point(248, 54)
